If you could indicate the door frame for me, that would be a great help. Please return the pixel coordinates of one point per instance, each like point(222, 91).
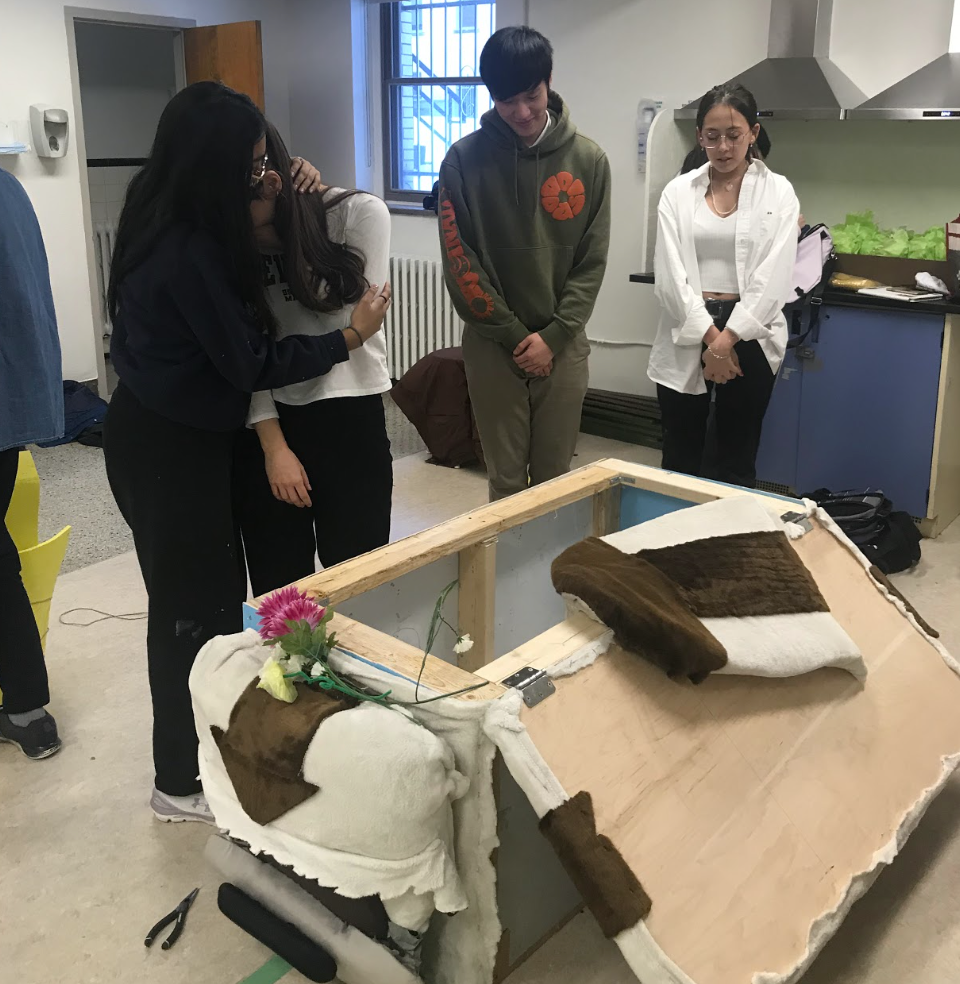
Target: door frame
point(122, 19)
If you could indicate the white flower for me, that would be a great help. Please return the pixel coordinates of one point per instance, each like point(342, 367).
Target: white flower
point(464, 644)
point(317, 670)
point(273, 681)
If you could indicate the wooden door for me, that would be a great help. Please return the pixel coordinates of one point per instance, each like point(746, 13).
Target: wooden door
point(228, 53)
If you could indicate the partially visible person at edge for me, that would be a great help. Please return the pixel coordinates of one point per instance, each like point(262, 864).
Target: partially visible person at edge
point(315, 473)
point(725, 252)
point(524, 207)
point(193, 338)
point(31, 409)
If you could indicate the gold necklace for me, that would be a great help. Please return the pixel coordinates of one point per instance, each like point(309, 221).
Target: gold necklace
point(713, 199)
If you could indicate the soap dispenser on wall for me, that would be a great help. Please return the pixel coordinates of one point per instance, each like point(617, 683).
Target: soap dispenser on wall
point(49, 125)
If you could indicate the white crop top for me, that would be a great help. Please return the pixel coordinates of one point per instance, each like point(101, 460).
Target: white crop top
point(715, 242)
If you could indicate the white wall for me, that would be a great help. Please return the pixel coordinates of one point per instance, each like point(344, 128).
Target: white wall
point(320, 67)
point(127, 76)
point(35, 68)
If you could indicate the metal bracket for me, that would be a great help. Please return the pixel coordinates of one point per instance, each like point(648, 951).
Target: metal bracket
point(534, 685)
point(798, 519)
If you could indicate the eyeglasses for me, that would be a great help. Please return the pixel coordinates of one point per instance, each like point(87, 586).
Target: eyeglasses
point(711, 139)
point(260, 165)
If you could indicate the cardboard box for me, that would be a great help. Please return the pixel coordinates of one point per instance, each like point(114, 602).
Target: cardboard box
point(891, 271)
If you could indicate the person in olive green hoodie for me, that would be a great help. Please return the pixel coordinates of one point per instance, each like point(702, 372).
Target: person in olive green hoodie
point(524, 207)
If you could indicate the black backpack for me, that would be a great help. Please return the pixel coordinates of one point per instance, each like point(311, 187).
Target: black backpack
point(888, 539)
point(812, 271)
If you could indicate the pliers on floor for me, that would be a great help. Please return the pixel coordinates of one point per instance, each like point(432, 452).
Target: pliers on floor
point(180, 915)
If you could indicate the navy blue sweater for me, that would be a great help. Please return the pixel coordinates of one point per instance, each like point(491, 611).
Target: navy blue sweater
point(187, 348)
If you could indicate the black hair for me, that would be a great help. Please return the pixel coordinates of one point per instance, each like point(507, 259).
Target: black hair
point(323, 275)
point(698, 156)
point(515, 60)
point(198, 174)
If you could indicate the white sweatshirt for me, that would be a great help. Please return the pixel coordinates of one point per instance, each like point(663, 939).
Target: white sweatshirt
point(766, 251)
point(363, 222)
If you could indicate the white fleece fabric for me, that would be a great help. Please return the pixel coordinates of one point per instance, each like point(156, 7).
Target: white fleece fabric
point(445, 801)
point(382, 824)
point(769, 645)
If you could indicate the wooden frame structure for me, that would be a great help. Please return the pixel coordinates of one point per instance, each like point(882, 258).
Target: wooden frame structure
point(771, 746)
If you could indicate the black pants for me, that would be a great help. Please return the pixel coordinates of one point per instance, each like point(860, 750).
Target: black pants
point(23, 674)
point(731, 455)
point(343, 446)
point(173, 485)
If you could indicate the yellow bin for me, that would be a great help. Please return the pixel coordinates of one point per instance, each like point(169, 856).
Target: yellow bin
point(40, 562)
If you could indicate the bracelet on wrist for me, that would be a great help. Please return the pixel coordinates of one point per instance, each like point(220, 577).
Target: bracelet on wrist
point(721, 358)
point(357, 333)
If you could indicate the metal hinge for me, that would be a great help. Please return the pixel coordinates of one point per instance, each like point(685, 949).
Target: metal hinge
point(534, 685)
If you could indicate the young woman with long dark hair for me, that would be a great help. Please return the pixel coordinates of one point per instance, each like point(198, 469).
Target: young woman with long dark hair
point(317, 473)
point(193, 338)
point(726, 247)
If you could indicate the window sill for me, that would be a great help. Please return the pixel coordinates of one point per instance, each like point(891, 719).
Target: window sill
point(410, 208)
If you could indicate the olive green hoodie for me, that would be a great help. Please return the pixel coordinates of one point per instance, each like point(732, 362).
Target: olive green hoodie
point(524, 230)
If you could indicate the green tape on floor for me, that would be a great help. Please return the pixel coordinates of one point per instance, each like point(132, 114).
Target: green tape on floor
point(275, 968)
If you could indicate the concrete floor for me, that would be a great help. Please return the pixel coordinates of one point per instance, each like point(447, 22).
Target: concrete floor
point(85, 870)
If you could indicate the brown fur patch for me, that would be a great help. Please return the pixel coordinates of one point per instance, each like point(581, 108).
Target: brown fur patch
point(264, 746)
point(882, 579)
point(646, 610)
point(610, 889)
point(740, 575)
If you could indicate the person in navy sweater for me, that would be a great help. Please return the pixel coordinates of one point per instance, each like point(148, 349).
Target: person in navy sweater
point(31, 409)
point(194, 335)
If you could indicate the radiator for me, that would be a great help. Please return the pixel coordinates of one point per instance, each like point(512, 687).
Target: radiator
point(422, 318)
point(104, 237)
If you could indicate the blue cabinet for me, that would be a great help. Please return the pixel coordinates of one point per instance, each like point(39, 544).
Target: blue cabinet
point(856, 407)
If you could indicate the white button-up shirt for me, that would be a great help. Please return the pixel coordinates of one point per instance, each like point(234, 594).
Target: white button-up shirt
point(766, 251)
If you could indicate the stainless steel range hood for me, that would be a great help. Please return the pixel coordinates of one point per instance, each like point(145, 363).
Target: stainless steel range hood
point(796, 80)
point(931, 93)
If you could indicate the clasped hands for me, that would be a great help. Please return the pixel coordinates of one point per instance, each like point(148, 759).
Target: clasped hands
point(720, 362)
point(534, 356)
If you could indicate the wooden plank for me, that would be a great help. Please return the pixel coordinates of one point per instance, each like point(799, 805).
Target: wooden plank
point(477, 592)
point(606, 511)
point(406, 660)
point(686, 487)
point(746, 805)
point(369, 571)
point(546, 649)
point(228, 53)
point(944, 506)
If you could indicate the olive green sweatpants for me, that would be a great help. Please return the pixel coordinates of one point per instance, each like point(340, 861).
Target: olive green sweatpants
point(528, 424)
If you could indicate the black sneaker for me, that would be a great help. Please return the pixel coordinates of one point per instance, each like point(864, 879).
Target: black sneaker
point(37, 740)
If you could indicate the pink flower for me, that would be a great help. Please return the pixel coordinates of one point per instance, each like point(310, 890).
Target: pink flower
point(287, 605)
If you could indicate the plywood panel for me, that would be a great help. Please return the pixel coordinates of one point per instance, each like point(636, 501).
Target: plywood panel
point(746, 805)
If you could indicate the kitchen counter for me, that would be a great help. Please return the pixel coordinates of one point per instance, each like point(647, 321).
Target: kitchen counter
point(847, 298)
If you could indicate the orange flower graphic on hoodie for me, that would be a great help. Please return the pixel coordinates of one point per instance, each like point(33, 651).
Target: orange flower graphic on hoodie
point(563, 196)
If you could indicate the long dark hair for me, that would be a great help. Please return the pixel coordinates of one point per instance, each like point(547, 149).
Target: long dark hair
point(198, 174)
point(741, 99)
point(323, 275)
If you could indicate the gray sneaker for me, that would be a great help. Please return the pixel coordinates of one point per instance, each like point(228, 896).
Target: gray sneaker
point(37, 740)
point(181, 809)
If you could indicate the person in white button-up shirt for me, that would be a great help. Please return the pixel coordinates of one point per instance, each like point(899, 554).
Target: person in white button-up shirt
point(722, 334)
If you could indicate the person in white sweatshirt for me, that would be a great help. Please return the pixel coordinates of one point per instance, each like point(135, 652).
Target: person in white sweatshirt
point(314, 471)
point(726, 247)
